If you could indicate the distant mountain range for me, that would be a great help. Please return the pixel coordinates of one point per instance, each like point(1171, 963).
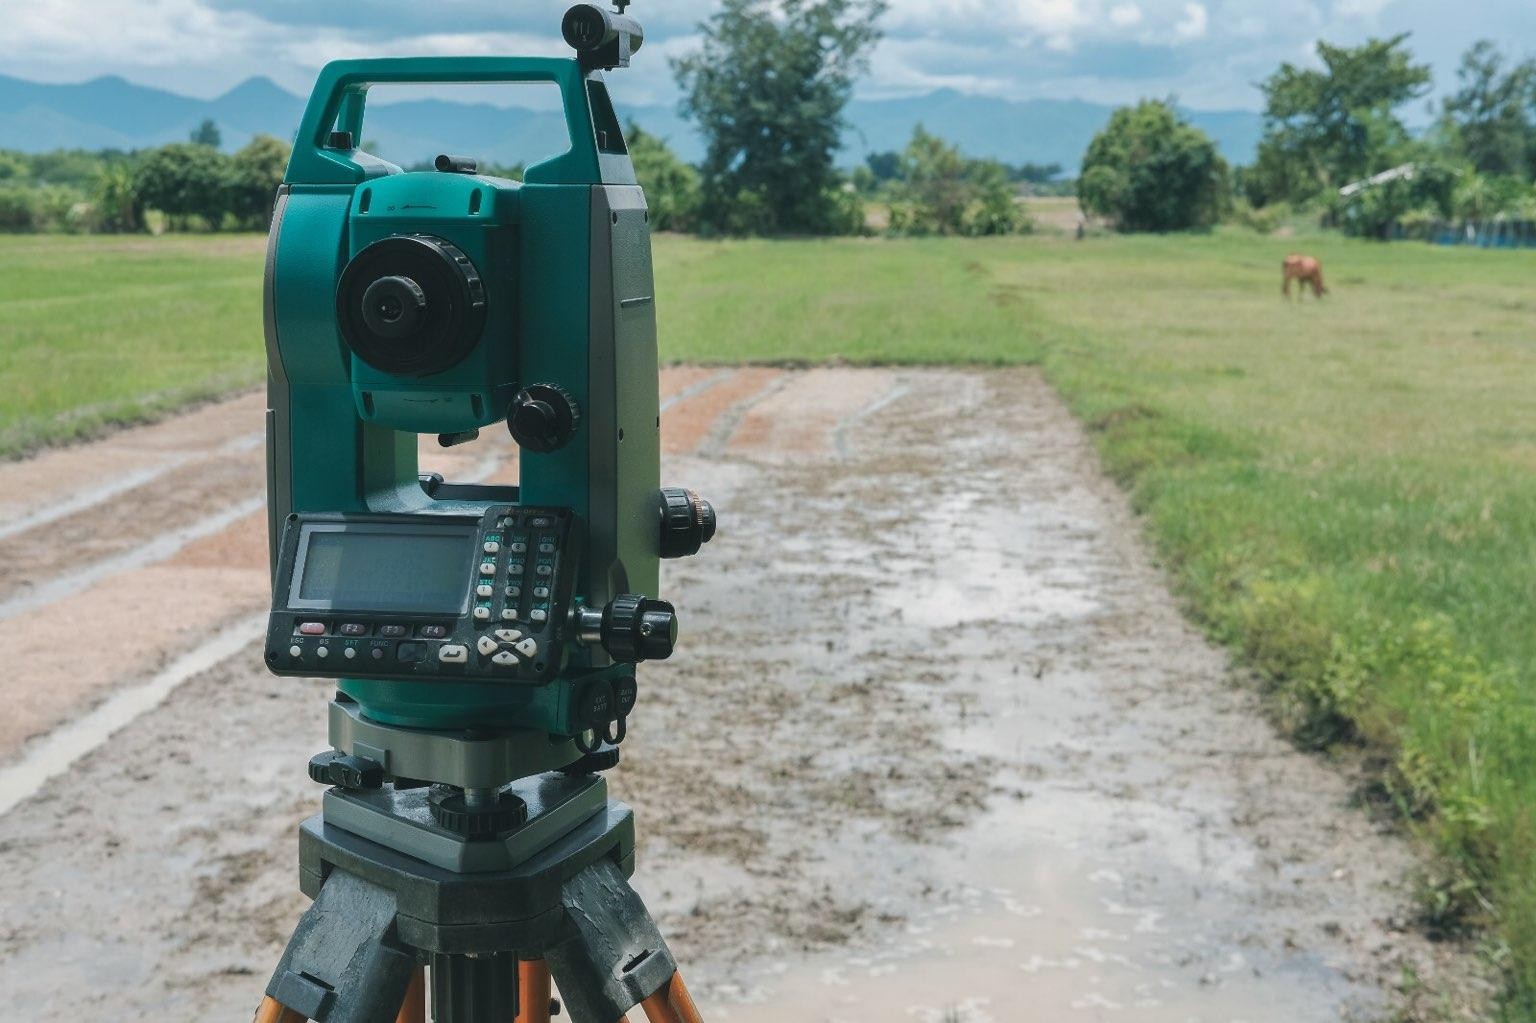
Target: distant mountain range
point(111, 112)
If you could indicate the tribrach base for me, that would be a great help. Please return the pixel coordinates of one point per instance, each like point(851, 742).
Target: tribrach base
point(493, 938)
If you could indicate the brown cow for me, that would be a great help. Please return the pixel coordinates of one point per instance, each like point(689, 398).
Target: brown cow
point(1306, 270)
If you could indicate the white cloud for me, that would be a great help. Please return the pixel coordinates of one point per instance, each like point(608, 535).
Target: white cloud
point(1361, 8)
point(1125, 16)
point(903, 67)
point(1194, 24)
point(146, 33)
point(1036, 19)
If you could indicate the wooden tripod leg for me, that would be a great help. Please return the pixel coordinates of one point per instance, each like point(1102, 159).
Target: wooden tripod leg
point(672, 1004)
point(272, 1011)
point(414, 1008)
point(533, 991)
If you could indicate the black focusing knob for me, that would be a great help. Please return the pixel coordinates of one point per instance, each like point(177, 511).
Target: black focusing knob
point(543, 417)
point(687, 522)
point(637, 628)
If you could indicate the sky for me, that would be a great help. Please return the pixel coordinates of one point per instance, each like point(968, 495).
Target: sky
point(1207, 53)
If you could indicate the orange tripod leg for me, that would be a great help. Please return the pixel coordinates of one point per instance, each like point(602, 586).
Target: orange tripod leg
point(533, 991)
point(414, 1008)
point(271, 1011)
point(672, 1004)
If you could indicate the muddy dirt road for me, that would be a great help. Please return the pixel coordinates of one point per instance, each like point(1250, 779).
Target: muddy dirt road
point(936, 744)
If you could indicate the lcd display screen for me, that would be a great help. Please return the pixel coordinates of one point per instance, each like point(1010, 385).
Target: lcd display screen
point(383, 568)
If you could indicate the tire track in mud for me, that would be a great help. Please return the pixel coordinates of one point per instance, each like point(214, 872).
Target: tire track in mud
point(122, 486)
point(120, 575)
point(702, 421)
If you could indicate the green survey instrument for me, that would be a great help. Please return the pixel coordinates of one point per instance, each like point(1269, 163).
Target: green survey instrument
point(484, 637)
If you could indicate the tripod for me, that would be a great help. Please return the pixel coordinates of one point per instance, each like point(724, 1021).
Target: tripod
point(496, 916)
point(671, 1005)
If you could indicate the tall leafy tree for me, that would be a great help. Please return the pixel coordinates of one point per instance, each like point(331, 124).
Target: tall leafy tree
point(185, 180)
point(1326, 127)
point(1490, 114)
point(767, 89)
point(1151, 170)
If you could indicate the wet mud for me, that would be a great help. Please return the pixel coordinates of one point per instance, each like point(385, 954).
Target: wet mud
point(936, 745)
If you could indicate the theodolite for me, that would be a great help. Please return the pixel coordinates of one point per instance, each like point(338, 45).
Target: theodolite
point(484, 638)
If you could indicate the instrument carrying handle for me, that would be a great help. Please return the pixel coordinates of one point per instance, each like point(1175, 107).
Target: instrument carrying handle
point(325, 149)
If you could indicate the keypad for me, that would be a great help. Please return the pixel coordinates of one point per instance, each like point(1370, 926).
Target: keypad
point(518, 594)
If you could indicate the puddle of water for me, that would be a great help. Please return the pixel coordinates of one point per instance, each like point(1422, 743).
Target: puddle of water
point(1095, 886)
point(1039, 926)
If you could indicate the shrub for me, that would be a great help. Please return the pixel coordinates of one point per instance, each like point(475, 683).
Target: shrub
point(746, 212)
point(117, 203)
point(18, 209)
point(671, 186)
point(1263, 219)
point(55, 207)
point(253, 176)
point(938, 191)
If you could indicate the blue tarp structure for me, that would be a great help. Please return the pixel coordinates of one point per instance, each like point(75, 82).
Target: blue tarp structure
point(1485, 234)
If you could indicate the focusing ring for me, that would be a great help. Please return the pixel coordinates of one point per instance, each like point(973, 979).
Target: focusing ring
point(411, 305)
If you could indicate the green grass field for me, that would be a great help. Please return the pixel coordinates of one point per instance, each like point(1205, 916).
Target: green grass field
point(1344, 491)
point(95, 331)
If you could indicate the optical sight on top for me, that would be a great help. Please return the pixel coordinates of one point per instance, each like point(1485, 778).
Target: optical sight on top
point(603, 40)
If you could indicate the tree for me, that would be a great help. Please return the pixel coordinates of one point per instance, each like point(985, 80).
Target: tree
point(1034, 173)
point(1326, 128)
point(185, 180)
point(14, 166)
point(1489, 116)
point(884, 166)
point(118, 206)
point(938, 191)
point(254, 174)
point(767, 89)
point(207, 134)
point(1150, 170)
point(671, 186)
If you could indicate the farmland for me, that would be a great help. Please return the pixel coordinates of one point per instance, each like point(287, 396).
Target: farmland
point(1341, 491)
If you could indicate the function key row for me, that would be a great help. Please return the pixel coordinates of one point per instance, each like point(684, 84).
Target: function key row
point(532, 521)
point(354, 630)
